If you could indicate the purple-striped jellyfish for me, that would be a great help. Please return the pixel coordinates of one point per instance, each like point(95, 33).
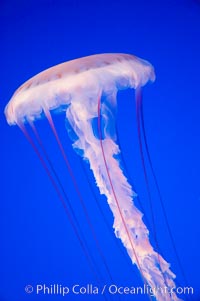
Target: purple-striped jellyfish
point(86, 89)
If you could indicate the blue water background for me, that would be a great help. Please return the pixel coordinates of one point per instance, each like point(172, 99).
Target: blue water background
point(38, 245)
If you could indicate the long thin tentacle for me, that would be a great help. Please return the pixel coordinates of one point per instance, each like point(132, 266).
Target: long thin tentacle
point(71, 210)
point(159, 194)
point(24, 130)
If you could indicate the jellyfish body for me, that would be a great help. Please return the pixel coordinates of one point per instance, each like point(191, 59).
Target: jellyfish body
point(86, 89)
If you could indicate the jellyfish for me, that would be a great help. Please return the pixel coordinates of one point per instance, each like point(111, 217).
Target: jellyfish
point(86, 90)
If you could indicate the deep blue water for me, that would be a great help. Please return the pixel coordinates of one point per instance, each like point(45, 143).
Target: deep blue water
point(38, 243)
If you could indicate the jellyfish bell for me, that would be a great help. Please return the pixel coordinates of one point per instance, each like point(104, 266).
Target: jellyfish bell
point(87, 88)
point(80, 79)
